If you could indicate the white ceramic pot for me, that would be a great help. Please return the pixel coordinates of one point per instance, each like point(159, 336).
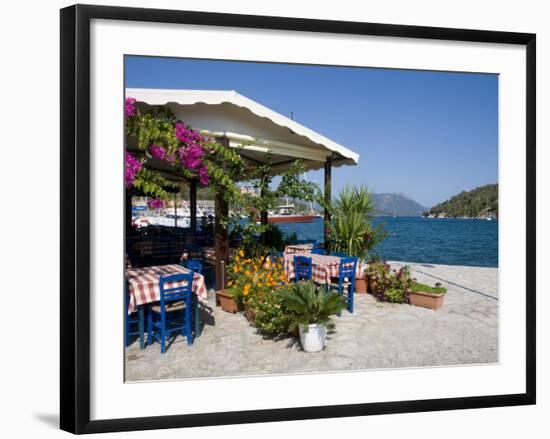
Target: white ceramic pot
point(313, 337)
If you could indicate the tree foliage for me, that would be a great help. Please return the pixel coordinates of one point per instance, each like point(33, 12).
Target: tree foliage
point(481, 201)
point(157, 135)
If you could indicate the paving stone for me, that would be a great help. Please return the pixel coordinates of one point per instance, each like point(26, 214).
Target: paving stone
point(464, 331)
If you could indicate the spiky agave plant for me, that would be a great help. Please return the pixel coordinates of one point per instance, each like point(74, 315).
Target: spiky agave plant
point(306, 305)
point(351, 225)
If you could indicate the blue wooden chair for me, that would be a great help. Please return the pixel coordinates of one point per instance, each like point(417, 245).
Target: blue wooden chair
point(275, 256)
point(130, 320)
point(340, 254)
point(346, 279)
point(174, 313)
point(194, 265)
point(318, 251)
point(303, 268)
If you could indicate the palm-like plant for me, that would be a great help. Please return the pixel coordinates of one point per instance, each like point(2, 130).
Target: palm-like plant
point(355, 199)
point(306, 305)
point(351, 229)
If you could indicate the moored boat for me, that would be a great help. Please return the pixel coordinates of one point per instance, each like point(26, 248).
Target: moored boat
point(286, 214)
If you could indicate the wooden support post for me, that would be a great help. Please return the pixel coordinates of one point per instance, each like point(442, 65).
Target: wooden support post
point(328, 184)
point(176, 210)
point(263, 213)
point(193, 204)
point(220, 231)
point(128, 211)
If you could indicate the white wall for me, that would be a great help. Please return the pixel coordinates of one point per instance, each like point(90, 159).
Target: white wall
point(29, 243)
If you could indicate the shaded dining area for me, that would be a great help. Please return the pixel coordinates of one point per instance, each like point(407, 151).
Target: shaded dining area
point(173, 270)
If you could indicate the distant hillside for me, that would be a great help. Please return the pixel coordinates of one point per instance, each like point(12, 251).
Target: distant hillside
point(397, 204)
point(481, 202)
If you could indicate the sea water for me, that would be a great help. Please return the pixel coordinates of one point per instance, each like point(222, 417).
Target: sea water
point(428, 240)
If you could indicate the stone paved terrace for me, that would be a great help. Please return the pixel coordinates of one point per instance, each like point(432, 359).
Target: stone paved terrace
point(376, 335)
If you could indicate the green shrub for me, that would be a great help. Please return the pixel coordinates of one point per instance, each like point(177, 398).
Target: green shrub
point(306, 305)
point(392, 285)
point(270, 314)
point(418, 287)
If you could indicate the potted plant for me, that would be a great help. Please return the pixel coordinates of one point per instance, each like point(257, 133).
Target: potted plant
point(361, 285)
point(310, 310)
point(389, 285)
point(252, 279)
point(250, 313)
point(230, 300)
point(426, 296)
point(376, 274)
point(351, 229)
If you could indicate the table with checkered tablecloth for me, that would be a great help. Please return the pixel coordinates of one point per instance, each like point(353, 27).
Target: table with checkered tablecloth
point(323, 267)
point(298, 248)
point(144, 284)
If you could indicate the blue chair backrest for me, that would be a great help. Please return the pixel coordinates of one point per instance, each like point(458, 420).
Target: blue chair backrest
point(339, 254)
point(306, 241)
point(303, 268)
point(275, 254)
point(126, 295)
point(194, 265)
point(348, 267)
point(176, 287)
point(319, 251)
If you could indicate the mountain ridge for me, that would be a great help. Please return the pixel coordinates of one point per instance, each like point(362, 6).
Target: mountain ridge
point(481, 202)
point(397, 204)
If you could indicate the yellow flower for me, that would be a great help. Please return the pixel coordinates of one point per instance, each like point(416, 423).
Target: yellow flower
point(241, 253)
point(247, 273)
point(246, 290)
point(235, 269)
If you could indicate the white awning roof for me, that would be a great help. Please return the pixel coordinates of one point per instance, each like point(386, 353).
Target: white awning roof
point(248, 125)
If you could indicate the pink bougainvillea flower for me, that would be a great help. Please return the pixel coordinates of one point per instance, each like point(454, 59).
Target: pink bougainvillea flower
point(130, 107)
point(187, 136)
point(191, 156)
point(204, 178)
point(131, 168)
point(155, 203)
point(157, 151)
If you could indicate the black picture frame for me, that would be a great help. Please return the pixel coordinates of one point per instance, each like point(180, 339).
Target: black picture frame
point(75, 218)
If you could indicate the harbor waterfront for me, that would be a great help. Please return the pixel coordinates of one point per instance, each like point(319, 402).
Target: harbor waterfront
point(376, 336)
point(449, 241)
point(255, 243)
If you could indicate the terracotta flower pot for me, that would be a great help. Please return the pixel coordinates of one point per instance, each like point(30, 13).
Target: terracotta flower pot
point(250, 314)
point(426, 300)
point(373, 286)
point(360, 285)
point(226, 300)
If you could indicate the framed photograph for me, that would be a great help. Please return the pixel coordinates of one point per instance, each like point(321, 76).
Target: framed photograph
point(273, 218)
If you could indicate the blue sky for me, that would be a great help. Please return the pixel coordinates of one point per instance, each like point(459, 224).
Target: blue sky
point(428, 135)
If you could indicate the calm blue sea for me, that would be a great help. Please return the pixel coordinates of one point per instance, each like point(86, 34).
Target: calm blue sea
point(428, 240)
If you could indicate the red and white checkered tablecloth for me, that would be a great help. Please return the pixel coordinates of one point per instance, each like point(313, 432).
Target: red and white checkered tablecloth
point(324, 267)
point(144, 284)
point(298, 248)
